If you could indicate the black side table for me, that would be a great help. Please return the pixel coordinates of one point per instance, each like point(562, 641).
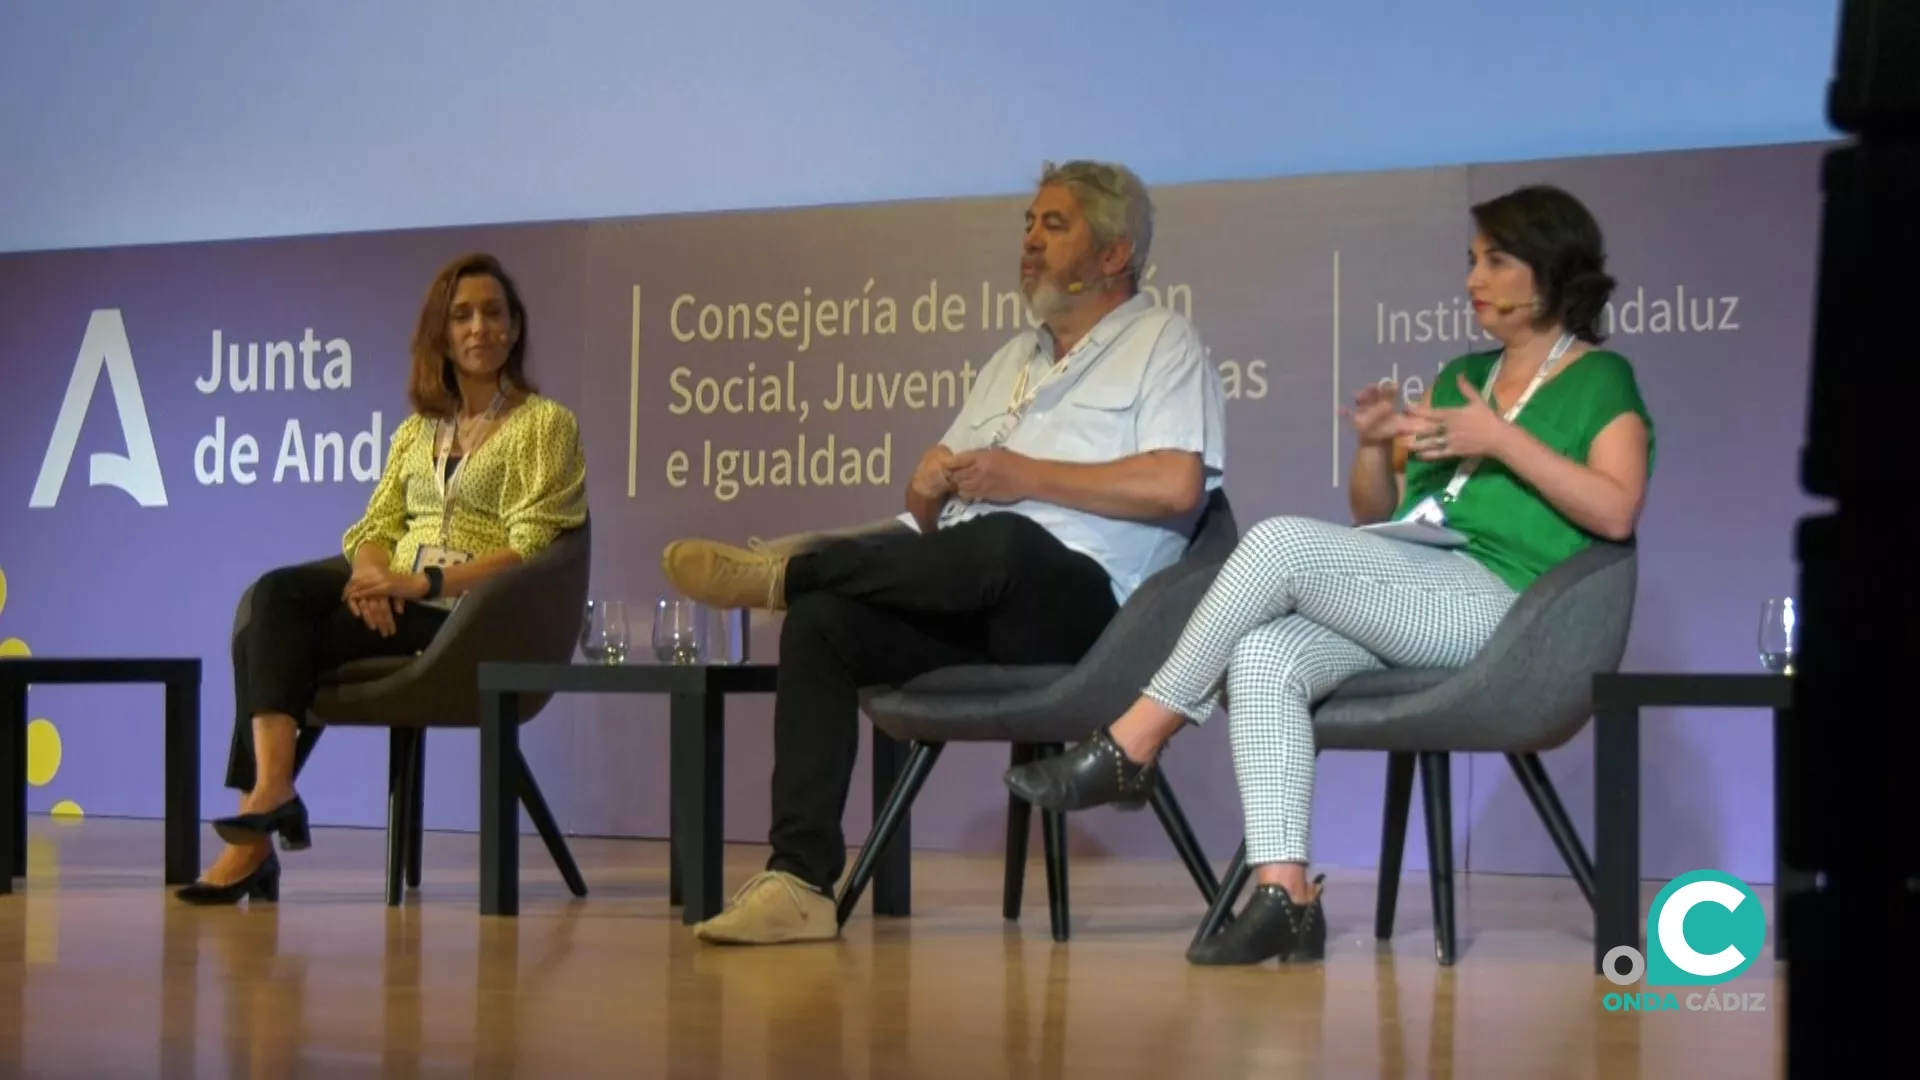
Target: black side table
point(698, 695)
point(1617, 701)
point(181, 767)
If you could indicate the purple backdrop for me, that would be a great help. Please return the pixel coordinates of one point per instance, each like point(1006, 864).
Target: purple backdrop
point(1302, 288)
point(96, 573)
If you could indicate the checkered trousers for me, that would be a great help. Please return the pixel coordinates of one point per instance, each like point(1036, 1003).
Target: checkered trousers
point(1301, 606)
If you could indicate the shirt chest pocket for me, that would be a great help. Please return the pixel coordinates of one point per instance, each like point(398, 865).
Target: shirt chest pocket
point(1096, 422)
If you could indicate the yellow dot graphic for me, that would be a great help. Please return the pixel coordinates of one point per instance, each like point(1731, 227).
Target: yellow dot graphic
point(43, 739)
point(43, 752)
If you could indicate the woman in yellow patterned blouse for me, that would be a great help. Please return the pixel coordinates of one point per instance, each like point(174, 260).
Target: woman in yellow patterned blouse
point(480, 477)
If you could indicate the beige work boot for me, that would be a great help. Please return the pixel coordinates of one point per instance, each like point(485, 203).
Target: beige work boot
point(772, 908)
point(727, 577)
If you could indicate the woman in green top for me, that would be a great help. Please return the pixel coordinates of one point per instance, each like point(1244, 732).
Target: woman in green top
point(1303, 605)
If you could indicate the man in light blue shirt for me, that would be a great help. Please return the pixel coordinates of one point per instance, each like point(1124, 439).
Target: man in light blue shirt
point(1120, 427)
point(1078, 466)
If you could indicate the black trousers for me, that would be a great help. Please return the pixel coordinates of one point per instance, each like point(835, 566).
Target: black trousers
point(997, 589)
point(299, 627)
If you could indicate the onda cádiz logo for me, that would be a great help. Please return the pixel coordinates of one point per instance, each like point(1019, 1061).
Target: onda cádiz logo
point(137, 472)
point(1705, 928)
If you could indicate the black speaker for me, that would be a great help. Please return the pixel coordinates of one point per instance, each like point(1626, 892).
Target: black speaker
point(1876, 85)
point(1849, 810)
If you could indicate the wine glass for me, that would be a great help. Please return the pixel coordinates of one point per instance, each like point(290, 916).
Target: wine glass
point(603, 635)
point(679, 632)
point(1779, 634)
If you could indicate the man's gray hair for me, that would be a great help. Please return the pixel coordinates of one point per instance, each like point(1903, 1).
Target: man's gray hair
point(1115, 203)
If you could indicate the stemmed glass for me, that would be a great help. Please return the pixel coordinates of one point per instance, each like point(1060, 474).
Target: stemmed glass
point(679, 632)
point(603, 632)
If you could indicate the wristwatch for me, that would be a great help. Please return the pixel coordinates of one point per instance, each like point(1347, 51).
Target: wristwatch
point(433, 581)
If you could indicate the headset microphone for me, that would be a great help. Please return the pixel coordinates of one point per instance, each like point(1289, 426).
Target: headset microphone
point(1507, 307)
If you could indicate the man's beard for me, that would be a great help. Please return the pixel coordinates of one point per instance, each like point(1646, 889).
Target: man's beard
point(1047, 300)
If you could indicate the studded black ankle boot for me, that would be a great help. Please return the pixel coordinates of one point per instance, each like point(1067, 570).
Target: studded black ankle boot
point(1273, 924)
point(1095, 773)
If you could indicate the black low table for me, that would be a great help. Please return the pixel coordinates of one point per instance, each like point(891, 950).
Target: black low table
point(698, 694)
point(1617, 701)
point(181, 768)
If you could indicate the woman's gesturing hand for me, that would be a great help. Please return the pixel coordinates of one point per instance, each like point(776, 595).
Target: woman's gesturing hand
point(1376, 413)
point(1468, 431)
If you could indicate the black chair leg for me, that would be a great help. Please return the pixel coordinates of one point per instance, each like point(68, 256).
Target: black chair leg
point(400, 746)
point(1019, 825)
point(1393, 841)
point(892, 883)
point(1053, 825)
point(417, 809)
point(549, 830)
point(1053, 836)
point(1546, 803)
point(1174, 821)
point(1436, 784)
point(1220, 912)
point(913, 775)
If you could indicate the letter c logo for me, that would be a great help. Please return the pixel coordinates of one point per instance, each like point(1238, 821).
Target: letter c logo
point(1705, 927)
point(1673, 928)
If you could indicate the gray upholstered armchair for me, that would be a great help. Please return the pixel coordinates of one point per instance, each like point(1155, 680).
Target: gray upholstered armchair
point(1528, 691)
point(1039, 709)
point(529, 613)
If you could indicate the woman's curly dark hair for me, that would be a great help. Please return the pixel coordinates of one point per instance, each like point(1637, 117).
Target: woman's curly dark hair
point(1554, 234)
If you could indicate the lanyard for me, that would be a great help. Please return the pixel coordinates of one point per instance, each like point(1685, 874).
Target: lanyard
point(448, 485)
point(1023, 397)
point(1467, 466)
point(1018, 403)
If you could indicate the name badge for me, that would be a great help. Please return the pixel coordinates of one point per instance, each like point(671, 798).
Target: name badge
point(1427, 510)
point(435, 555)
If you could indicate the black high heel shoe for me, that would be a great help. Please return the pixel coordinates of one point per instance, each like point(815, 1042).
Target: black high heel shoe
point(1095, 773)
point(289, 819)
point(262, 884)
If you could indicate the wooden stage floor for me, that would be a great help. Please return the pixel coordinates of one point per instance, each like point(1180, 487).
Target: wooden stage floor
point(102, 974)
